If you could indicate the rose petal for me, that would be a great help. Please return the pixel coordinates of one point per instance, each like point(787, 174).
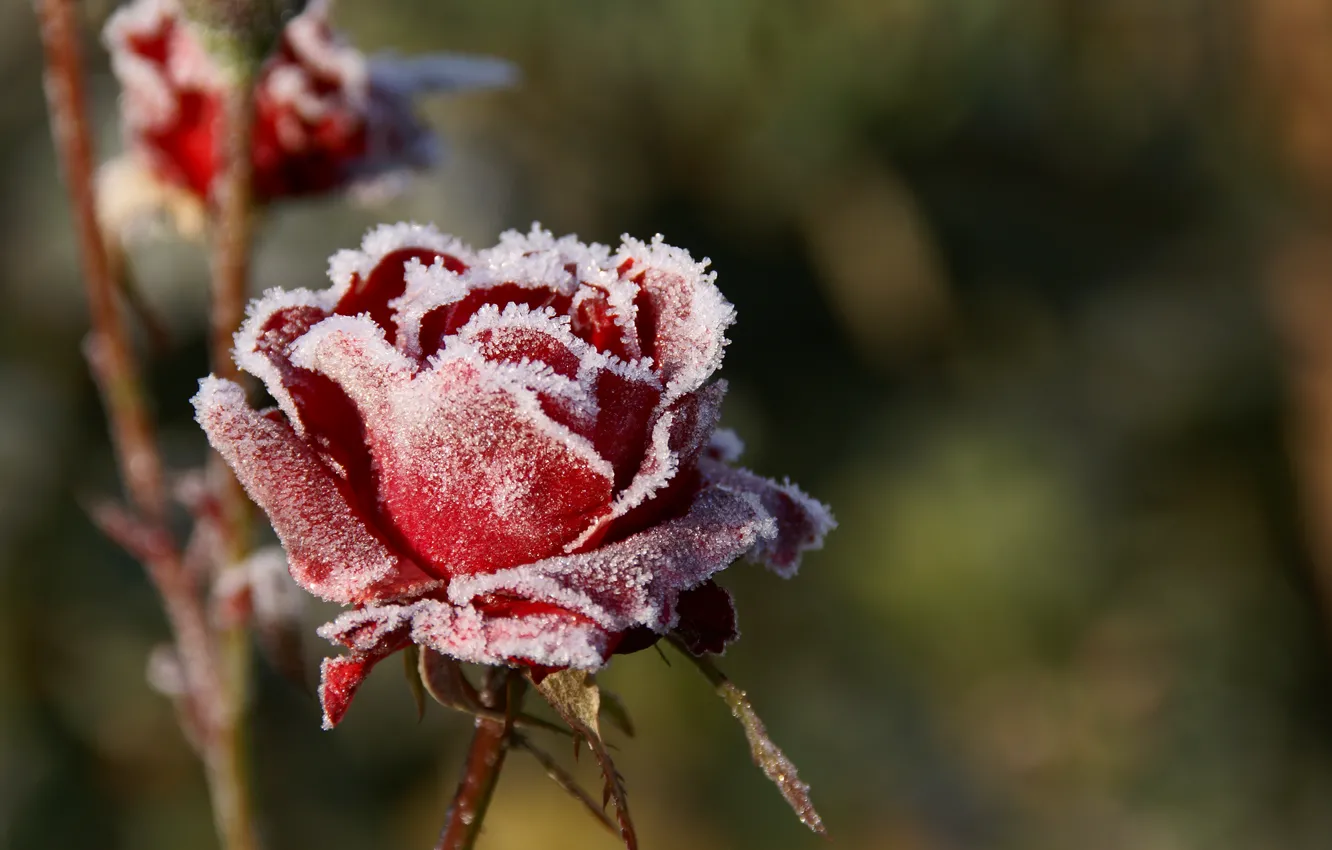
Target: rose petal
point(472, 471)
point(346, 266)
point(706, 618)
point(386, 282)
point(550, 637)
point(667, 477)
point(372, 634)
point(332, 550)
point(801, 521)
point(636, 581)
point(681, 316)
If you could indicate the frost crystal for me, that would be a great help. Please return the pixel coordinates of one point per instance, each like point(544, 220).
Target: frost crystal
point(509, 456)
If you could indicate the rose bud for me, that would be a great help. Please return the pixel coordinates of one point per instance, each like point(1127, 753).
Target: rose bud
point(326, 117)
point(509, 456)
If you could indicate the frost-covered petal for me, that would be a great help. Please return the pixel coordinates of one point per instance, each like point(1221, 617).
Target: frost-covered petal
point(372, 634)
point(801, 522)
point(681, 316)
point(472, 472)
point(636, 581)
point(352, 351)
point(667, 476)
point(326, 118)
point(332, 549)
point(525, 634)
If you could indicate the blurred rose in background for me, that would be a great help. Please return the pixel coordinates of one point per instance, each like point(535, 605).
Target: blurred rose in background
point(1037, 293)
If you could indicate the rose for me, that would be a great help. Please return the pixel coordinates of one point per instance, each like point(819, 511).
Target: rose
point(326, 117)
point(508, 456)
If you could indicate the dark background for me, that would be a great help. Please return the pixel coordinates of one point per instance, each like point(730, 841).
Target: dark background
point(1033, 292)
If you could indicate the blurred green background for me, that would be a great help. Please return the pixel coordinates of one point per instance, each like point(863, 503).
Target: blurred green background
point(1032, 292)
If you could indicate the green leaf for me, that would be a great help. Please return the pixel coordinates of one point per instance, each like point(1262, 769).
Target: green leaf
point(766, 754)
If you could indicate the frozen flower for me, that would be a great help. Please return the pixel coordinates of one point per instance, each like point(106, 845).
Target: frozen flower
point(326, 116)
point(508, 455)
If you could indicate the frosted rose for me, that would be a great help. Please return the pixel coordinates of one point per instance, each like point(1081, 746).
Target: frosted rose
point(326, 116)
point(506, 455)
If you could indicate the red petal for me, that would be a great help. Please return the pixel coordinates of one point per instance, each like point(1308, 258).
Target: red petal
point(445, 321)
point(340, 679)
point(707, 618)
point(801, 522)
point(332, 549)
point(387, 281)
point(323, 410)
point(541, 635)
point(668, 478)
point(472, 472)
point(636, 581)
point(602, 327)
point(681, 317)
point(626, 411)
point(513, 344)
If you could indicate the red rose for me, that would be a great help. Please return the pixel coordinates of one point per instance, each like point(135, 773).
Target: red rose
point(326, 117)
point(506, 455)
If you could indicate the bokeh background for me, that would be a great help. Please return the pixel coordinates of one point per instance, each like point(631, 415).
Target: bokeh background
point(1036, 293)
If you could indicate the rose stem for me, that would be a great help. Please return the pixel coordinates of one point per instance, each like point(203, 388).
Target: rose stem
point(109, 351)
point(485, 758)
point(228, 763)
point(112, 362)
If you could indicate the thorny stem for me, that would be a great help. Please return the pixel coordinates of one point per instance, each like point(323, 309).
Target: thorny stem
point(133, 437)
point(490, 744)
point(228, 763)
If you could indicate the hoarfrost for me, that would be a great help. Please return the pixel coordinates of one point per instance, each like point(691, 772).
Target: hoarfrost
point(383, 240)
point(801, 521)
point(688, 313)
point(635, 581)
point(332, 551)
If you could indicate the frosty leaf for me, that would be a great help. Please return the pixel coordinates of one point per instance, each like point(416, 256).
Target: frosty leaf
point(575, 697)
point(565, 780)
point(415, 680)
point(766, 755)
point(574, 694)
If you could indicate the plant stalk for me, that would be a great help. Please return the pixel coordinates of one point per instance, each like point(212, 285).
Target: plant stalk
point(490, 744)
point(133, 435)
point(232, 236)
